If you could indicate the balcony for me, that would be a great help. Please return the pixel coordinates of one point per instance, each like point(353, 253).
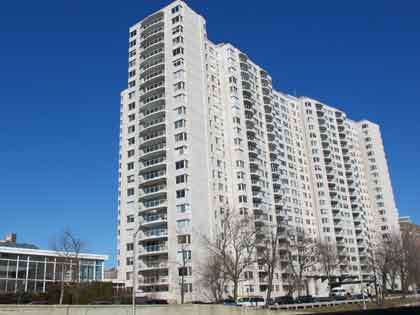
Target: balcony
point(153, 46)
point(153, 57)
point(151, 75)
point(153, 204)
point(153, 191)
point(153, 138)
point(153, 265)
point(153, 234)
point(157, 29)
point(152, 177)
point(154, 219)
point(155, 250)
point(153, 150)
point(152, 20)
point(153, 62)
point(152, 164)
point(154, 281)
point(151, 124)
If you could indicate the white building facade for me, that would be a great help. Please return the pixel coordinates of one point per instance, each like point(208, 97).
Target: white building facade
point(203, 130)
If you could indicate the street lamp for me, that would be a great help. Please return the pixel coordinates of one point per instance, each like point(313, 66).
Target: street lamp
point(134, 291)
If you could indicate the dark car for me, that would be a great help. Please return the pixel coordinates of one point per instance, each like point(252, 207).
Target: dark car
point(325, 299)
point(282, 300)
point(305, 299)
point(155, 301)
point(229, 302)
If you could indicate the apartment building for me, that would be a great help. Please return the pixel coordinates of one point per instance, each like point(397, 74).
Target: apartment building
point(203, 131)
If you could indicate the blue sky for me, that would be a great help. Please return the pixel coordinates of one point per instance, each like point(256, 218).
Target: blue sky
point(63, 64)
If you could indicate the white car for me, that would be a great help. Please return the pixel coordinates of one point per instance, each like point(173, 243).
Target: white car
point(251, 301)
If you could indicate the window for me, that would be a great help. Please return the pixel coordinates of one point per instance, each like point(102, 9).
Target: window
point(130, 153)
point(177, 19)
point(131, 129)
point(184, 239)
point(181, 137)
point(178, 40)
point(130, 179)
point(183, 208)
point(130, 218)
point(133, 43)
point(129, 261)
point(181, 150)
point(180, 179)
point(179, 86)
point(131, 141)
point(130, 166)
point(180, 193)
point(133, 33)
point(181, 110)
point(180, 123)
point(178, 62)
point(177, 51)
point(176, 9)
point(131, 106)
point(177, 29)
point(181, 164)
point(130, 246)
point(132, 53)
point(130, 192)
point(132, 84)
point(183, 225)
point(131, 117)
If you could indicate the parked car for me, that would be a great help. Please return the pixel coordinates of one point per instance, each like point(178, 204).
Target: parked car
point(338, 293)
point(155, 301)
point(282, 300)
point(305, 299)
point(251, 301)
point(229, 302)
point(324, 298)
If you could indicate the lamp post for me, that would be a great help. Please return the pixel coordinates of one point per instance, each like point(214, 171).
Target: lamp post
point(134, 291)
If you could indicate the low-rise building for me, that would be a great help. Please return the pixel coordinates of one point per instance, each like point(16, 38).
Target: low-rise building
point(26, 268)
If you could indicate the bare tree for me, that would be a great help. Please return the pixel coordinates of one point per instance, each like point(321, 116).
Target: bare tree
point(268, 255)
point(68, 247)
point(408, 258)
point(213, 277)
point(327, 260)
point(384, 263)
point(234, 243)
point(302, 256)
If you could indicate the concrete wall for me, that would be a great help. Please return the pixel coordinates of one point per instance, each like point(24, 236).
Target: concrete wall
point(126, 310)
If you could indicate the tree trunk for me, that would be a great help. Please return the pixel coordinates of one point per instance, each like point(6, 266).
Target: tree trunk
point(235, 289)
point(270, 287)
